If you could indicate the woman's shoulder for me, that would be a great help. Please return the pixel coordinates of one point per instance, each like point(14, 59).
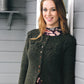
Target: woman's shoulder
point(69, 39)
point(33, 32)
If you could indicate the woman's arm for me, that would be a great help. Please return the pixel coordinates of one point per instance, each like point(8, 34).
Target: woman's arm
point(69, 61)
point(24, 64)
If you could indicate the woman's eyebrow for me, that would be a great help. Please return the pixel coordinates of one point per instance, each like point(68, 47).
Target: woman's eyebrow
point(52, 7)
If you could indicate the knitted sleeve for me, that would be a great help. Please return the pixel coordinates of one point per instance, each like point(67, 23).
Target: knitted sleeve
point(69, 60)
point(24, 63)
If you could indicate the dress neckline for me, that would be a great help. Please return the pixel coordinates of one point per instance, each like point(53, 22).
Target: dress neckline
point(53, 31)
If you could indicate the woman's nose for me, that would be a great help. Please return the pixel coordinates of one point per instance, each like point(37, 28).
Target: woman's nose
point(48, 12)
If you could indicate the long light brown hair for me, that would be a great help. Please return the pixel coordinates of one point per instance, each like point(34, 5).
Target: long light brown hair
point(62, 18)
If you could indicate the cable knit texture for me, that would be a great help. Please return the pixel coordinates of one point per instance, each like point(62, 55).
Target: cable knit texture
point(51, 57)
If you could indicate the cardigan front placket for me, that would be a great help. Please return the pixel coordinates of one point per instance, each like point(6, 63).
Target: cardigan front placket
point(43, 44)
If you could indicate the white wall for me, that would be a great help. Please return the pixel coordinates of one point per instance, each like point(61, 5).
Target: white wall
point(79, 34)
point(12, 43)
point(31, 14)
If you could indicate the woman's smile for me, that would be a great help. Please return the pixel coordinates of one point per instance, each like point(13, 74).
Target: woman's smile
point(49, 19)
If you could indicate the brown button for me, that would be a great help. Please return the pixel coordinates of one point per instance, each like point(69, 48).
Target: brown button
point(39, 71)
point(38, 66)
point(40, 57)
point(41, 80)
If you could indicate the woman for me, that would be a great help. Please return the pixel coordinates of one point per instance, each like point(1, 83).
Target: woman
point(49, 53)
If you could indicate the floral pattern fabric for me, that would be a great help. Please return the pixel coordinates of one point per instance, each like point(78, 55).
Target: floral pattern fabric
point(53, 31)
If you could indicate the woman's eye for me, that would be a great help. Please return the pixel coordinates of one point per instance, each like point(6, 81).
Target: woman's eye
point(53, 9)
point(44, 9)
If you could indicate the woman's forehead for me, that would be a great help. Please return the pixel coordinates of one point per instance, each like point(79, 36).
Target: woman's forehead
point(49, 4)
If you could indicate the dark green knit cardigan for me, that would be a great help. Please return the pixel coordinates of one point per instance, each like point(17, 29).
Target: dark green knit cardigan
point(53, 57)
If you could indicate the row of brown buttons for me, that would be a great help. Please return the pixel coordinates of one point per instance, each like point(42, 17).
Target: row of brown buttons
point(40, 58)
point(39, 65)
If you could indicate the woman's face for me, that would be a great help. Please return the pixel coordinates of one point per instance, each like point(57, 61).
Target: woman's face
point(50, 14)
